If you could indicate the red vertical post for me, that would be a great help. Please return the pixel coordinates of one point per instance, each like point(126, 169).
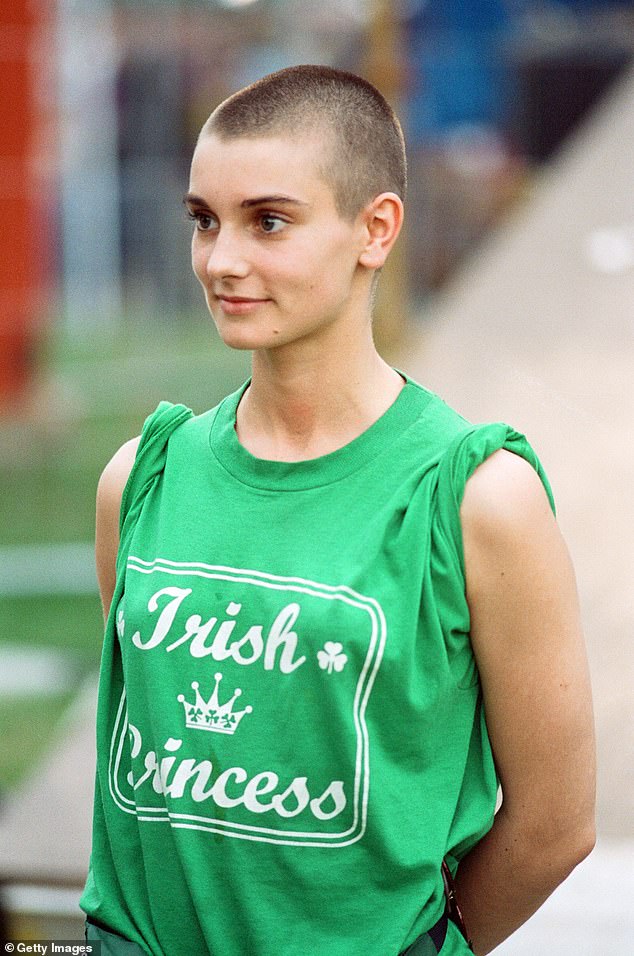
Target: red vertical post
point(21, 237)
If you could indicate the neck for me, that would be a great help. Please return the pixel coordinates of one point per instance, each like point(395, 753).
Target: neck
point(306, 403)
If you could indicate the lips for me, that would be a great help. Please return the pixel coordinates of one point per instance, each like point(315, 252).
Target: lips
point(238, 305)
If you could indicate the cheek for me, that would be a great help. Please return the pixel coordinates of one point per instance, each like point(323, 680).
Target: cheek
point(198, 261)
point(317, 270)
point(332, 275)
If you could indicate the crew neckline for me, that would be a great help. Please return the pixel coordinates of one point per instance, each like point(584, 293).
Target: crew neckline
point(312, 472)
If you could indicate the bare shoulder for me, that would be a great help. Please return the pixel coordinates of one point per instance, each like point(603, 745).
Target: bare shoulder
point(109, 493)
point(504, 493)
point(116, 473)
point(509, 530)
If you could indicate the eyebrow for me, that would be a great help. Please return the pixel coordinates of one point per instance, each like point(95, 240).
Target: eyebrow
point(193, 200)
point(277, 200)
point(189, 199)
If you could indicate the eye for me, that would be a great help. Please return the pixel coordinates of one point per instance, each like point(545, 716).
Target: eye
point(204, 221)
point(271, 223)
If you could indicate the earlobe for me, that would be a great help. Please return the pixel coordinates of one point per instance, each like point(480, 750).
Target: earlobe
point(383, 221)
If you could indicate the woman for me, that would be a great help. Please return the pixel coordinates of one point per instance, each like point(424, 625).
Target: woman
point(338, 615)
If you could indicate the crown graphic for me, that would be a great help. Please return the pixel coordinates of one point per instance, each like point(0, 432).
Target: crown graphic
point(211, 715)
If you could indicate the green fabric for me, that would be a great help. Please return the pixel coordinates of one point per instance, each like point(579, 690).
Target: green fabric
point(290, 727)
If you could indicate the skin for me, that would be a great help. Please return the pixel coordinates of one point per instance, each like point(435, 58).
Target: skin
point(317, 378)
point(527, 639)
point(290, 280)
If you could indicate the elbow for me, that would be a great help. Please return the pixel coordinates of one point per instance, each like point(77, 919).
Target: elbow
point(568, 848)
point(551, 846)
point(581, 845)
point(576, 834)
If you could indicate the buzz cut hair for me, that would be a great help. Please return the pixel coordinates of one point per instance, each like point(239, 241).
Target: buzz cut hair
point(363, 151)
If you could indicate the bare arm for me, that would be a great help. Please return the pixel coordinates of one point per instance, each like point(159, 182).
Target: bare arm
point(528, 644)
point(109, 492)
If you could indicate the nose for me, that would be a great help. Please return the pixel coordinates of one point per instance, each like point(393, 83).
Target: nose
point(225, 256)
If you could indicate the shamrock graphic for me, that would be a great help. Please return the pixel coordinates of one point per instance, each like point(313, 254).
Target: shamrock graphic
point(332, 657)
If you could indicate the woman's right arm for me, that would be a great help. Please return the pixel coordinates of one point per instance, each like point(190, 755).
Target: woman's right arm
point(109, 492)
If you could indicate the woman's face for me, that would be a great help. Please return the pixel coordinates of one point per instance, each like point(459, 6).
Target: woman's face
point(277, 262)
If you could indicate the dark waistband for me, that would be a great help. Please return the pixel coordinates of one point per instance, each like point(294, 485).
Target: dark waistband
point(431, 942)
point(111, 943)
point(428, 944)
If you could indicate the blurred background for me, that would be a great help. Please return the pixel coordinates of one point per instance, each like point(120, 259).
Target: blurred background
point(511, 294)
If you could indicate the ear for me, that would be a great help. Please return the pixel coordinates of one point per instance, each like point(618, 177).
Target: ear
point(383, 218)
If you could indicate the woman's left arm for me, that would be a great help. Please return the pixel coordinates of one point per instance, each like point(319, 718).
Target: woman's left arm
point(527, 640)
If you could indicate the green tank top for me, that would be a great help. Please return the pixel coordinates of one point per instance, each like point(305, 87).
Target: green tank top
point(290, 726)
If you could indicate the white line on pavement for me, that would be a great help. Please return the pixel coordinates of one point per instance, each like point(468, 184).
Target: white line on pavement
point(35, 569)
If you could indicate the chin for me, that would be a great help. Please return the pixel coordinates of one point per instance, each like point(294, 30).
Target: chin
point(247, 340)
point(243, 333)
point(238, 343)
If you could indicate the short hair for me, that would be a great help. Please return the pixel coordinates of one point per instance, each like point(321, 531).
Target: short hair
point(368, 148)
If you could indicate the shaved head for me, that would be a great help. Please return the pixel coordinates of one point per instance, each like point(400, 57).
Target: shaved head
point(359, 151)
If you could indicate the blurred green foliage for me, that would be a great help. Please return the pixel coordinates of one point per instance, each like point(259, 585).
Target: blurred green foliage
point(96, 389)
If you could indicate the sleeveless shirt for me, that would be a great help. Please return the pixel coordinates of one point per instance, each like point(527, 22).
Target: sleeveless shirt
point(290, 730)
